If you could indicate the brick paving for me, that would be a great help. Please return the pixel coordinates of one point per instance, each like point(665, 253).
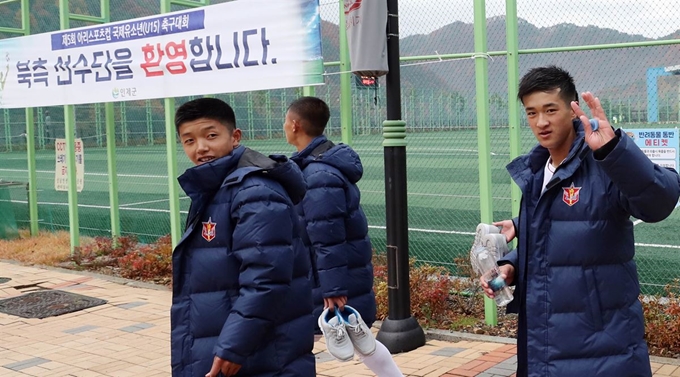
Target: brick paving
point(129, 336)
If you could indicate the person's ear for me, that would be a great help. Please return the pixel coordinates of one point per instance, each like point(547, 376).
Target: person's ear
point(236, 136)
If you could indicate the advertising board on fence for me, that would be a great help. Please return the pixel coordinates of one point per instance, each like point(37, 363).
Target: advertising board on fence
point(61, 171)
point(660, 145)
point(243, 45)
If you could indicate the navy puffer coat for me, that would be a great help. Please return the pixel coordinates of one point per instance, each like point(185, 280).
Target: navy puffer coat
point(336, 226)
point(241, 273)
point(576, 281)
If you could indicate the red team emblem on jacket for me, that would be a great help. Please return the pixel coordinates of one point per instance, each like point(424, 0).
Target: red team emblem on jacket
point(209, 230)
point(571, 194)
point(352, 5)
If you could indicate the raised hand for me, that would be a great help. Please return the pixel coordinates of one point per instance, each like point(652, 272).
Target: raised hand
point(604, 131)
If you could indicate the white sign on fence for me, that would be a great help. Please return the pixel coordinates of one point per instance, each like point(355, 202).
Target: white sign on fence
point(245, 45)
point(60, 172)
point(659, 144)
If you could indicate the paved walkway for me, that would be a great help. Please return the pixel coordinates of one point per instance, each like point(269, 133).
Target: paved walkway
point(129, 336)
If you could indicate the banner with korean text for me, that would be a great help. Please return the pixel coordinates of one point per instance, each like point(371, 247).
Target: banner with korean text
point(245, 45)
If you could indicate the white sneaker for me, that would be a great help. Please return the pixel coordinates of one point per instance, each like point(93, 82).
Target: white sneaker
point(496, 244)
point(481, 231)
point(338, 342)
point(358, 331)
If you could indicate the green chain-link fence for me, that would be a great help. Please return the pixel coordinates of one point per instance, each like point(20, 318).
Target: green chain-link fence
point(439, 107)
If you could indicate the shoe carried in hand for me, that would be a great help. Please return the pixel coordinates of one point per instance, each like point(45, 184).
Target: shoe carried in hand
point(481, 231)
point(496, 244)
point(338, 342)
point(358, 331)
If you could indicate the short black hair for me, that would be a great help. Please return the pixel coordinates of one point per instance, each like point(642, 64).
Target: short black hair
point(209, 108)
point(546, 79)
point(314, 111)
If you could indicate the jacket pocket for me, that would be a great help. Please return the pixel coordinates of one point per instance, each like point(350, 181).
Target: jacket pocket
point(593, 299)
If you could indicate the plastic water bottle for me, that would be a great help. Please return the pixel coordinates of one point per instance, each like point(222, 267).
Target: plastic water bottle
point(491, 274)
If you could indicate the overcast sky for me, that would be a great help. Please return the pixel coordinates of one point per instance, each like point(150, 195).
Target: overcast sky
point(650, 18)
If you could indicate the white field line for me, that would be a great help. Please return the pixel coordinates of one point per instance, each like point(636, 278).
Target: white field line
point(438, 195)
point(91, 174)
point(150, 202)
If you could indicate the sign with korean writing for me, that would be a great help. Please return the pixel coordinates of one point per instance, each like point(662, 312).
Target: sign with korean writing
point(660, 145)
point(60, 172)
point(245, 45)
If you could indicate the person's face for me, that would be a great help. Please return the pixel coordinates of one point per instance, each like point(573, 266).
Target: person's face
point(205, 140)
point(291, 127)
point(550, 119)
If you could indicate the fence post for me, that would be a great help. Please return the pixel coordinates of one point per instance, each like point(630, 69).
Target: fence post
point(171, 145)
point(268, 113)
point(345, 82)
point(30, 131)
point(171, 152)
point(327, 98)
point(41, 129)
point(483, 132)
point(98, 124)
point(512, 41)
point(149, 122)
point(69, 134)
point(283, 99)
point(32, 178)
point(110, 126)
point(250, 112)
point(123, 124)
point(8, 130)
point(440, 110)
point(112, 169)
point(433, 109)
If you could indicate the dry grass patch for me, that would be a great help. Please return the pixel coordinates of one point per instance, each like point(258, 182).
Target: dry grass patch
point(46, 249)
